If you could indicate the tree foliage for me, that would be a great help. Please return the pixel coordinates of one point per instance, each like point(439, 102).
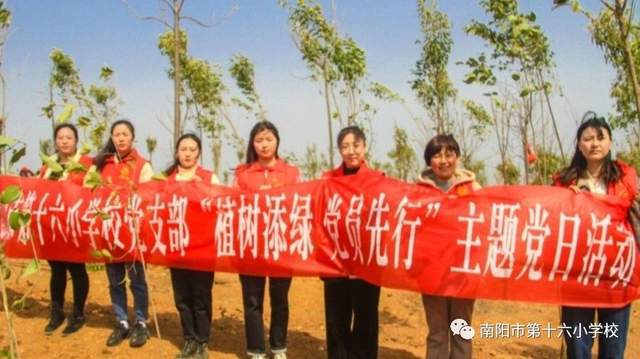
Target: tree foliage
point(403, 157)
point(94, 108)
point(547, 164)
point(519, 51)
point(431, 81)
point(606, 34)
point(243, 72)
point(336, 62)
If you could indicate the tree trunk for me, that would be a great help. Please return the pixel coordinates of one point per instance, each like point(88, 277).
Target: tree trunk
point(553, 117)
point(329, 123)
point(216, 151)
point(177, 71)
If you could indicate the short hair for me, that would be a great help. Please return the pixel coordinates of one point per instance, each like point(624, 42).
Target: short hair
point(355, 131)
point(65, 125)
point(437, 143)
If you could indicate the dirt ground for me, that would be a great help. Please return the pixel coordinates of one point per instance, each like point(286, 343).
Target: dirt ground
point(402, 323)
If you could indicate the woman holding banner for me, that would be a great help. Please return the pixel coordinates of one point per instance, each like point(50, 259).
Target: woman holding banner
point(592, 169)
point(120, 166)
point(192, 288)
point(264, 170)
point(348, 300)
point(74, 165)
point(442, 173)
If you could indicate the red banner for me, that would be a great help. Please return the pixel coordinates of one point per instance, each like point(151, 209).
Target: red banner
point(539, 244)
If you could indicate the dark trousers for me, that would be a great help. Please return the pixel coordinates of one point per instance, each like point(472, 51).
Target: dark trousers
point(58, 285)
point(253, 301)
point(440, 312)
point(579, 343)
point(192, 294)
point(351, 315)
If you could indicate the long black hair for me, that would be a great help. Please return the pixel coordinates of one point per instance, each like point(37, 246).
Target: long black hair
point(578, 167)
point(176, 163)
point(252, 155)
point(109, 148)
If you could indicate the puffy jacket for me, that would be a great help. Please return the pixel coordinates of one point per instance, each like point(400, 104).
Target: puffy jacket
point(463, 181)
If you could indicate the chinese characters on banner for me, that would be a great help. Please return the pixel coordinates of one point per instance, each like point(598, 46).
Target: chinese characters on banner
point(527, 243)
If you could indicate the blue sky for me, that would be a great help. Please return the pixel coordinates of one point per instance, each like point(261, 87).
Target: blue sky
point(102, 32)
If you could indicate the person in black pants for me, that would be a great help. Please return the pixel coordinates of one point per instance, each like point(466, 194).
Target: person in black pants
point(351, 305)
point(65, 137)
point(57, 287)
point(263, 170)
point(192, 288)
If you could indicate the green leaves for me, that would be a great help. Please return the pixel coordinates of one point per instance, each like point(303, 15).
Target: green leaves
point(384, 93)
point(83, 121)
point(10, 194)
point(19, 219)
point(32, 267)
point(72, 166)
point(106, 72)
point(93, 179)
point(51, 163)
point(242, 70)
point(16, 155)
point(7, 141)
point(100, 254)
point(5, 271)
point(66, 113)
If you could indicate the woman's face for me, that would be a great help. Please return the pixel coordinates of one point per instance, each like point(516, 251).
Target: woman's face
point(188, 153)
point(353, 151)
point(444, 164)
point(594, 144)
point(122, 138)
point(66, 142)
point(265, 144)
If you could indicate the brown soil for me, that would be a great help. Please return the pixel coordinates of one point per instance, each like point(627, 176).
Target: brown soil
point(402, 322)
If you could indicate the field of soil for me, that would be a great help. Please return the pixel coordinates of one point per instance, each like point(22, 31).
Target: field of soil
point(402, 323)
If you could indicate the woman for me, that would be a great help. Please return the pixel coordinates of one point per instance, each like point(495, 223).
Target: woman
point(592, 169)
point(441, 157)
point(66, 145)
point(120, 166)
point(192, 288)
point(348, 300)
point(263, 170)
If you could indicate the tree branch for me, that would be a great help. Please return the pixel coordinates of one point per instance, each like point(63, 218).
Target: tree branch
point(145, 18)
point(213, 23)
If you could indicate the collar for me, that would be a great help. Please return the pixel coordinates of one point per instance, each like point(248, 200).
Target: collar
point(278, 166)
point(132, 156)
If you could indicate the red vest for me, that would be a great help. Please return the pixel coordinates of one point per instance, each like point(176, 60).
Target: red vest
point(125, 172)
point(76, 177)
point(626, 187)
point(255, 176)
point(200, 175)
point(339, 171)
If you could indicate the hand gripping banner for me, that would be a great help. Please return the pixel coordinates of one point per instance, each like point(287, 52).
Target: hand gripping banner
point(526, 243)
